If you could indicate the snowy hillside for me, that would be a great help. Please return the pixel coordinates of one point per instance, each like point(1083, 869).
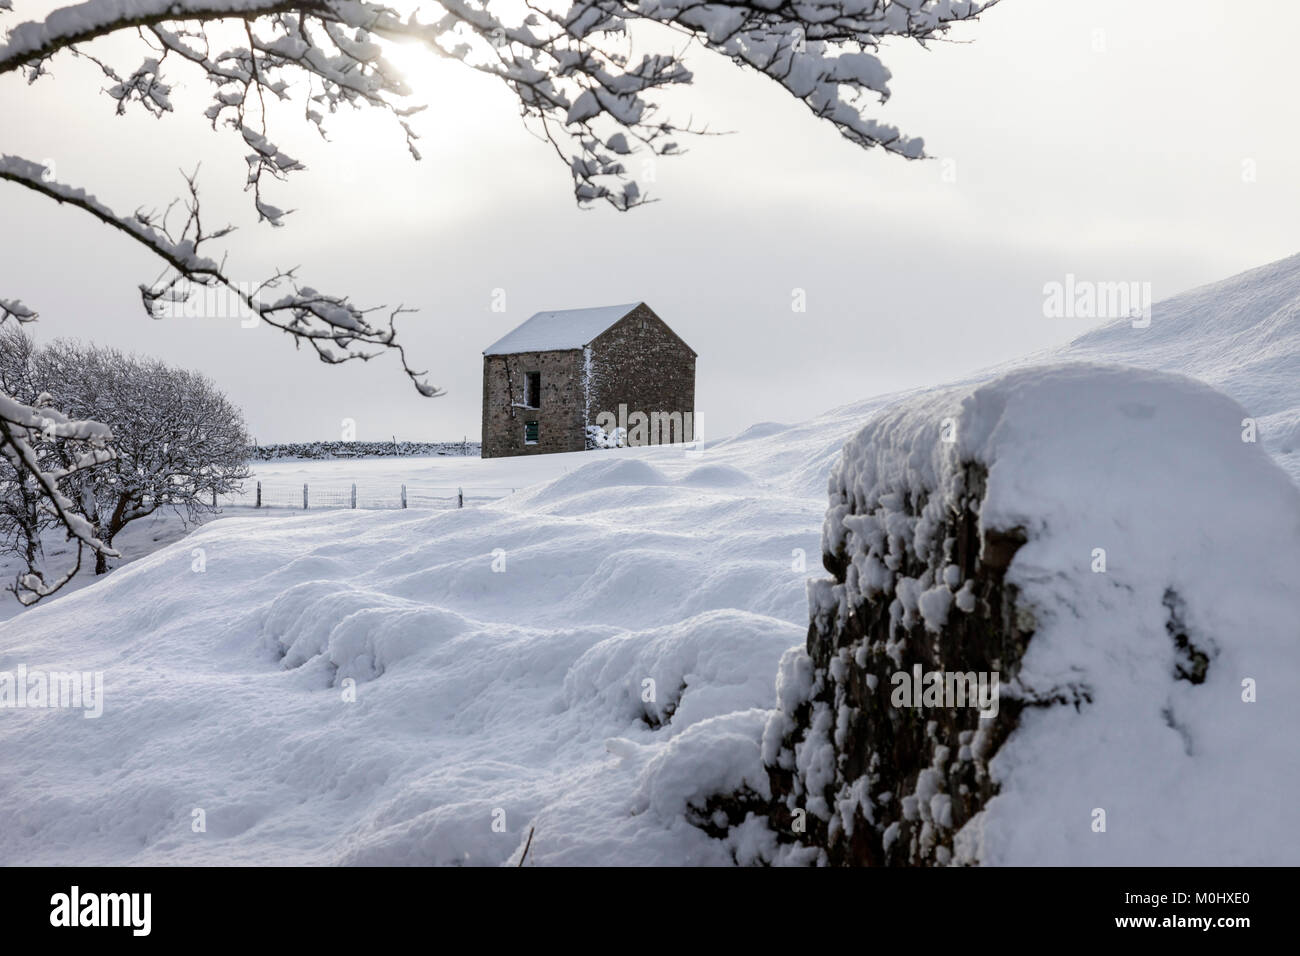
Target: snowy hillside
point(1241, 335)
point(499, 656)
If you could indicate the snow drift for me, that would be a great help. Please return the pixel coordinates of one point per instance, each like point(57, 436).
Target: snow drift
point(403, 687)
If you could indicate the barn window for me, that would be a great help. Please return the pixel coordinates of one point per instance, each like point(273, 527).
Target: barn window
point(533, 389)
point(530, 433)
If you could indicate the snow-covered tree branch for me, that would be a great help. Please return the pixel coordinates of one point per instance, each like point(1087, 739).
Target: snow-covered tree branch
point(570, 66)
point(42, 450)
point(330, 324)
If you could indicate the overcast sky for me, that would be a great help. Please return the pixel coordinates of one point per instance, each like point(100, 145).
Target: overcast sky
point(1113, 140)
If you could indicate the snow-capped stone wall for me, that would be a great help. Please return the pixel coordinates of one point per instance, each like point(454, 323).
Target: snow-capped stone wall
point(362, 449)
point(870, 782)
point(1114, 546)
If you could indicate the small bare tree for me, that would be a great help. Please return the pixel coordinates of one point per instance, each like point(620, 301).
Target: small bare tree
point(570, 63)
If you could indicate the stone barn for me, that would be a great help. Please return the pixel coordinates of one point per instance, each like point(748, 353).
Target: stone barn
point(547, 383)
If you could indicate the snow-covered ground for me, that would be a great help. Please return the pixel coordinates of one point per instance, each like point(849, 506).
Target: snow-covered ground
point(478, 689)
point(432, 483)
point(501, 653)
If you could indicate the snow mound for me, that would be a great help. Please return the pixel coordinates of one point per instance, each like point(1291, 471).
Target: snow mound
point(716, 476)
point(720, 755)
point(620, 471)
point(682, 673)
point(760, 430)
point(360, 632)
point(1157, 577)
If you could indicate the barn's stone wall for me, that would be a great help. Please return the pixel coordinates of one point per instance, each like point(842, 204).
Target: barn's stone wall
point(559, 417)
point(640, 362)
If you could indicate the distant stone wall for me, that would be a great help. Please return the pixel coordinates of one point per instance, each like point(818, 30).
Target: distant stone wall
point(559, 416)
point(362, 449)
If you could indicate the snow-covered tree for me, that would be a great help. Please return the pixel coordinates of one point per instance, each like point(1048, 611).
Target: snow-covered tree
point(570, 63)
point(22, 519)
point(178, 442)
point(41, 451)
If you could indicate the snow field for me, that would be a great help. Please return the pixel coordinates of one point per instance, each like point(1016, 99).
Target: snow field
point(247, 719)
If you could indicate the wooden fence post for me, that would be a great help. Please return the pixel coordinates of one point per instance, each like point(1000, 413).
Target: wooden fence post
point(354, 494)
point(304, 496)
point(214, 497)
point(460, 497)
point(259, 495)
point(403, 496)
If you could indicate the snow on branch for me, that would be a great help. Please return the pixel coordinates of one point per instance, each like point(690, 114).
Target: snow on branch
point(336, 329)
point(13, 309)
point(41, 450)
point(570, 65)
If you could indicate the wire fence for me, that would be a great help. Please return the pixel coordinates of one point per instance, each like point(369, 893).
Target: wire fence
point(376, 496)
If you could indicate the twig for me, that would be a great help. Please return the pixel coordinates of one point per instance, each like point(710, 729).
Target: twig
point(526, 846)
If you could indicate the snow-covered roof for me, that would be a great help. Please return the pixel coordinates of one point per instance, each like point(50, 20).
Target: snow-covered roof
point(564, 329)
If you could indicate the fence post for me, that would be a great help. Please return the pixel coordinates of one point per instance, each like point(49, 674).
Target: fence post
point(403, 496)
point(304, 496)
point(460, 497)
point(259, 495)
point(214, 497)
point(354, 494)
